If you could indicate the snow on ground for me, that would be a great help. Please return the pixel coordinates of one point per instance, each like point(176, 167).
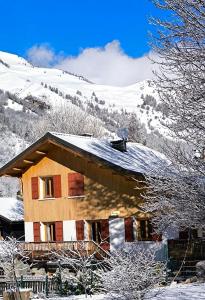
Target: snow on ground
point(181, 292)
point(194, 291)
point(173, 292)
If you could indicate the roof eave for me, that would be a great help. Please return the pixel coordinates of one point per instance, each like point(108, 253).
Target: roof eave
point(6, 170)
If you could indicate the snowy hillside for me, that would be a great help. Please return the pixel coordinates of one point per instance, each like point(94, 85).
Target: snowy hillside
point(56, 87)
point(34, 100)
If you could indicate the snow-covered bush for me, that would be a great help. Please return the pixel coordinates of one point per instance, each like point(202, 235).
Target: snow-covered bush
point(78, 271)
point(13, 260)
point(131, 274)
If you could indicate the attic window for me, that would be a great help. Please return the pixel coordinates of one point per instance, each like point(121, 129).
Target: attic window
point(48, 187)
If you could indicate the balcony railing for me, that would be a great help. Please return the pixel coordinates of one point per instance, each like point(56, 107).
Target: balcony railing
point(42, 249)
point(193, 249)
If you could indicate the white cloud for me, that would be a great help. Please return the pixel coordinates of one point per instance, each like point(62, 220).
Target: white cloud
point(41, 55)
point(104, 65)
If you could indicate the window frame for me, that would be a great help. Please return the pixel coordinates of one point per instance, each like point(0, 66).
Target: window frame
point(51, 227)
point(50, 232)
point(148, 230)
point(96, 231)
point(43, 183)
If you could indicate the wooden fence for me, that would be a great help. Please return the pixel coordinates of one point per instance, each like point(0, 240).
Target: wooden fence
point(43, 285)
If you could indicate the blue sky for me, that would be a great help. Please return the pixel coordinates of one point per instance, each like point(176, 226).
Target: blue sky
point(70, 25)
point(89, 37)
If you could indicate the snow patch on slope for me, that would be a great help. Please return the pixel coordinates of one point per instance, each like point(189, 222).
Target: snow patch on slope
point(14, 105)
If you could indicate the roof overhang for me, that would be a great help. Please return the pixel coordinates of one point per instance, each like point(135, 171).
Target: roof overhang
point(41, 148)
point(22, 162)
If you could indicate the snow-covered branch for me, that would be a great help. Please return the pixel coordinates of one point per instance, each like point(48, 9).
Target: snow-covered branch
point(13, 259)
point(131, 274)
point(177, 197)
point(80, 266)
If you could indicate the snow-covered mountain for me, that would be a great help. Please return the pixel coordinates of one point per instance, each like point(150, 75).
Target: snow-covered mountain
point(28, 94)
point(53, 87)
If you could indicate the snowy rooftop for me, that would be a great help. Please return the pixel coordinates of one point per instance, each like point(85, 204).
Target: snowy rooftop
point(11, 209)
point(137, 158)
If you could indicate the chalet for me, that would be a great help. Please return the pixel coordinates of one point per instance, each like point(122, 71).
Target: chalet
point(81, 188)
point(11, 218)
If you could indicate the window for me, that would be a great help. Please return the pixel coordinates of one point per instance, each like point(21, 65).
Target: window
point(99, 231)
point(48, 187)
point(50, 232)
point(145, 230)
point(96, 232)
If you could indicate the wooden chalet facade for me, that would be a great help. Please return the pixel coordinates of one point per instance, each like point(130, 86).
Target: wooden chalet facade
point(79, 188)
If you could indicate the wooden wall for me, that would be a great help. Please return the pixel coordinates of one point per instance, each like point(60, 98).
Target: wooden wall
point(105, 190)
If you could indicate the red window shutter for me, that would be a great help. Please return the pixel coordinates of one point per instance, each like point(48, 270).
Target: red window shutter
point(129, 234)
point(157, 237)
point(80, 230)
point(57, 186)
point(59, 231)
point(34, 188)
point(36, 232)
point(105, 235)
point(75, 184)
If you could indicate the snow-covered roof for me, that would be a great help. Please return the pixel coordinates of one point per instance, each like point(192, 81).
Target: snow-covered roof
point(137, 158)
point(11, 208)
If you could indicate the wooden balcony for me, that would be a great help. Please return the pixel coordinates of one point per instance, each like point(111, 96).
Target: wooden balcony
point(43, 250)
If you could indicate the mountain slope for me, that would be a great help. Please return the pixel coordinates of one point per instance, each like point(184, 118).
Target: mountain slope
point(31, 97)
point(56, 87)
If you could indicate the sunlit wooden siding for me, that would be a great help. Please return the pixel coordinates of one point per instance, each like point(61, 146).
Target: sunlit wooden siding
point(106, 191)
